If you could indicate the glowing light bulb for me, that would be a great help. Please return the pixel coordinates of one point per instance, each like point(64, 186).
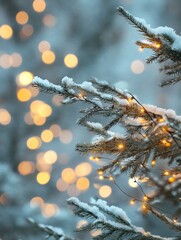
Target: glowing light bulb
point(153, 162)
point(132, 202)
point(157, 45)
point(145, 198)
point(101, 177)
point(166, 173)
point(121, 146)
point(111, 178)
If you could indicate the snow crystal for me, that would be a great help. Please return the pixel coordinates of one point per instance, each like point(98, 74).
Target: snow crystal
point(67, 81)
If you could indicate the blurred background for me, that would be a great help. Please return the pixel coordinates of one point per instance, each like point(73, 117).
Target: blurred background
point(39, 167)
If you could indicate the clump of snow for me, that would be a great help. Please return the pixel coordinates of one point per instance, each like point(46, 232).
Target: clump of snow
point(95, 125)
point(37, 80)
point(118, 212)
point(87, 86)
point(164, 30)
point(68, 82)
point(86, 207)
point(169, 113)
point(44, 83)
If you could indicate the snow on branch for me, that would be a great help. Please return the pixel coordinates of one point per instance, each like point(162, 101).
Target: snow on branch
point(109, 222)
point(165, 44)
point(54, 232)
point(149, 132)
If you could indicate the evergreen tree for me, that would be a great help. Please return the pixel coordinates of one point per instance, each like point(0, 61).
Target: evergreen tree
point(150, 135)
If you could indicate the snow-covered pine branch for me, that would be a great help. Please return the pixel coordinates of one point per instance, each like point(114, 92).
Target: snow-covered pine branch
point(110, 222)
point(149, 132)
point(51, 232)
point(165, 44)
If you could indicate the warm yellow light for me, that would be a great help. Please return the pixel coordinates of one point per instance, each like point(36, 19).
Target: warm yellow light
point(100, 172)
point(35, 105)
point(5, 117)
point(132, 183)
point(26, 167)
point(83, 169)
point(71, 60)
point(36, 202)
point(165, 129)
point(49, 210)
point(157, 45)
point(111, 178)
point(153, 162)
point(22, 17)
point(145, 198)
point(105, 191)
point(39, 5)
point(33, 143)
point(39, 121)
point(142, 110)
point(130, 100)
point(47, 136)
point(23, 95)
point(44, 46)
point(161, 120)
point(44, 110)
point(43, 178)
point(165, 142)
point(144, 207)
point(48, 57)
point(62, 185)
point(68, 175)
point(25, 78)
point(50, 157)
point(6, 31)
point(82, 183)
point(121, 146)
point(166, 173)
point(101, 177)
point(42, 166)
point(171, 179)
point(132, 202)
point(137, 67)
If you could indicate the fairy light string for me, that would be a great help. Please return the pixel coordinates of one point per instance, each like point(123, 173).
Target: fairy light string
point(145, 110)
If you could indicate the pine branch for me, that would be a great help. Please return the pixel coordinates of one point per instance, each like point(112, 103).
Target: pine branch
point(163, 41)
point(173, 224)
point(56, 233)
point(147, 128)
point(111, 222)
